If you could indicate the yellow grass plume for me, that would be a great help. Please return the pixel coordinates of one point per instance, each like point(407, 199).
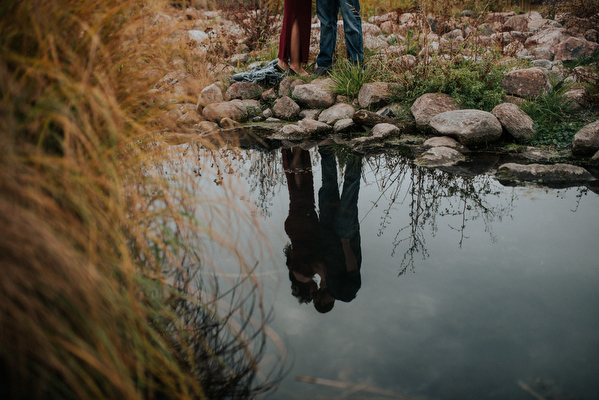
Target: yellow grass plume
point(84, 309)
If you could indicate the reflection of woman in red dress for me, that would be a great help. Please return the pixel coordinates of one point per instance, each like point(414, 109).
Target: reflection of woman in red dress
point(301, 224)
point(294, 43)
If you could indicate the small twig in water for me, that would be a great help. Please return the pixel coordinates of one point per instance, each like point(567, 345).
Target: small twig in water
point(350, 385)
point(531, 391)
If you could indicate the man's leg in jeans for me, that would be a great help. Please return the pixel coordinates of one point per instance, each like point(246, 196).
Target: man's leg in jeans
point(352, 26)
point(328, 195)
point(327, 11)
point(346, 221)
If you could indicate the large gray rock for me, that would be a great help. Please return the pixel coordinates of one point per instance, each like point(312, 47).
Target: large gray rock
point(207, 127)
point(287, 85)
point(520, 22)
point(384, 130)
point(369, 29)
point(198, 36)
point(210, 94)
point(309, 113)
point(531, 21)
point(346, 125)
point(373, 94)
point(289, 132)
point(228, 123)
point(285, 108)
point(378, 132)
point(243, 90)
point(469, 127)
point(440, 156)
point(586, 140)
point(314, 95)
point(444, 141)
point(215, 112)
point(430, 104)
point(574, 48)
point(313, 127)
point(576, 99)
point(592, 35)
point(512, 172)
point(389, 27)
point(374, 42)
point(269, 95)
point(335, 113)
point(547, 38)
point(252, 107)
point(529, 82)
point(514, 120)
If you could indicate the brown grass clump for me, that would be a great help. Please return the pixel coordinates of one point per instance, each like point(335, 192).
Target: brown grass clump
point(89, 224)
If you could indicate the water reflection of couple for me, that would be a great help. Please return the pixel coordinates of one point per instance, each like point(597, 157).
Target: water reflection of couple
point(325, 247)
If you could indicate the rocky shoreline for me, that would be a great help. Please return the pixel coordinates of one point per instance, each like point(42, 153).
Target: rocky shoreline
point(434, 131)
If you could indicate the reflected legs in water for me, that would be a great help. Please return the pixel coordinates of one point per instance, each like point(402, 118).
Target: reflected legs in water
point(301, 224)
point(339, 232)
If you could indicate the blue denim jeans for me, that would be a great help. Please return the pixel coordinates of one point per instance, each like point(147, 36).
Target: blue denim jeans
point(327, 11)
point(339, 213)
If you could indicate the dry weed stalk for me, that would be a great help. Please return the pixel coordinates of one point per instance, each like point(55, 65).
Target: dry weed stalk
point(89, 225)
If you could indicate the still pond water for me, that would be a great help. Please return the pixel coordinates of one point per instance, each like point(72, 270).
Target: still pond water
point(466, 289)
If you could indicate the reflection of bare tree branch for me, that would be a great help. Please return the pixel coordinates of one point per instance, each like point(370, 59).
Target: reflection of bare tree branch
point(261, 169)
point(265, 173)
point(582, 191)
point(432, 193)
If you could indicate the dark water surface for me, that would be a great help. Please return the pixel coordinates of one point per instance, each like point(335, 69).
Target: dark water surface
point(469, 289)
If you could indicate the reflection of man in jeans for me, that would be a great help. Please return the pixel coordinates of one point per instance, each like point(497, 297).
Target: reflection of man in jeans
point(339, 232)
point(328, 11)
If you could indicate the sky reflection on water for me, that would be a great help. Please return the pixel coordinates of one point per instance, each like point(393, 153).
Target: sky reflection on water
point(468, 288)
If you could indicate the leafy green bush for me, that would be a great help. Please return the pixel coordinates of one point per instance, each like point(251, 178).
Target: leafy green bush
point(473, 81)
point(558, 135)
point(554, 125)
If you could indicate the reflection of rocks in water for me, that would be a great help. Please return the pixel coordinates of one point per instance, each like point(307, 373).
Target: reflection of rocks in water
point(440, 157)
point(593, 186)
point(246, 138)
point(556, 175)
point(475, 164)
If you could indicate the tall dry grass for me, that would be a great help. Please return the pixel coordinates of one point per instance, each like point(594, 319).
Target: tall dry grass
point(89, 225)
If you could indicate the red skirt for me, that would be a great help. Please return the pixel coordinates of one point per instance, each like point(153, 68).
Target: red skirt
point(302, 10)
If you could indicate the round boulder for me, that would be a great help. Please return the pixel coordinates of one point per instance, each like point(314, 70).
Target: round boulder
point(469, 127)
point(529, 82)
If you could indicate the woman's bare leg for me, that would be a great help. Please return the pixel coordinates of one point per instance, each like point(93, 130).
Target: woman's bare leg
point(295, 50)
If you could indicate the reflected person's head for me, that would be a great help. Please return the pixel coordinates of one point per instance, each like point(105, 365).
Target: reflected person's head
point(302, 288)
point(323, 301)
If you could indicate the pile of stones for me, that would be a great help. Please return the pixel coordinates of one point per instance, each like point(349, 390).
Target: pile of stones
point(439, 133)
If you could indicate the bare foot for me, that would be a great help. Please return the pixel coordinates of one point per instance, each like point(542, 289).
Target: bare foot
point(283, 65)
point(297, 69)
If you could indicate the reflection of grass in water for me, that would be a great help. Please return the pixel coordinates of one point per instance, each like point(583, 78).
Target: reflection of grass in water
point(89, 224)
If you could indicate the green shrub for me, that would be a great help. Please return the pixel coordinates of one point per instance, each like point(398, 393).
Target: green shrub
point(559, 135)
point(473, 81)
point(554, 125)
